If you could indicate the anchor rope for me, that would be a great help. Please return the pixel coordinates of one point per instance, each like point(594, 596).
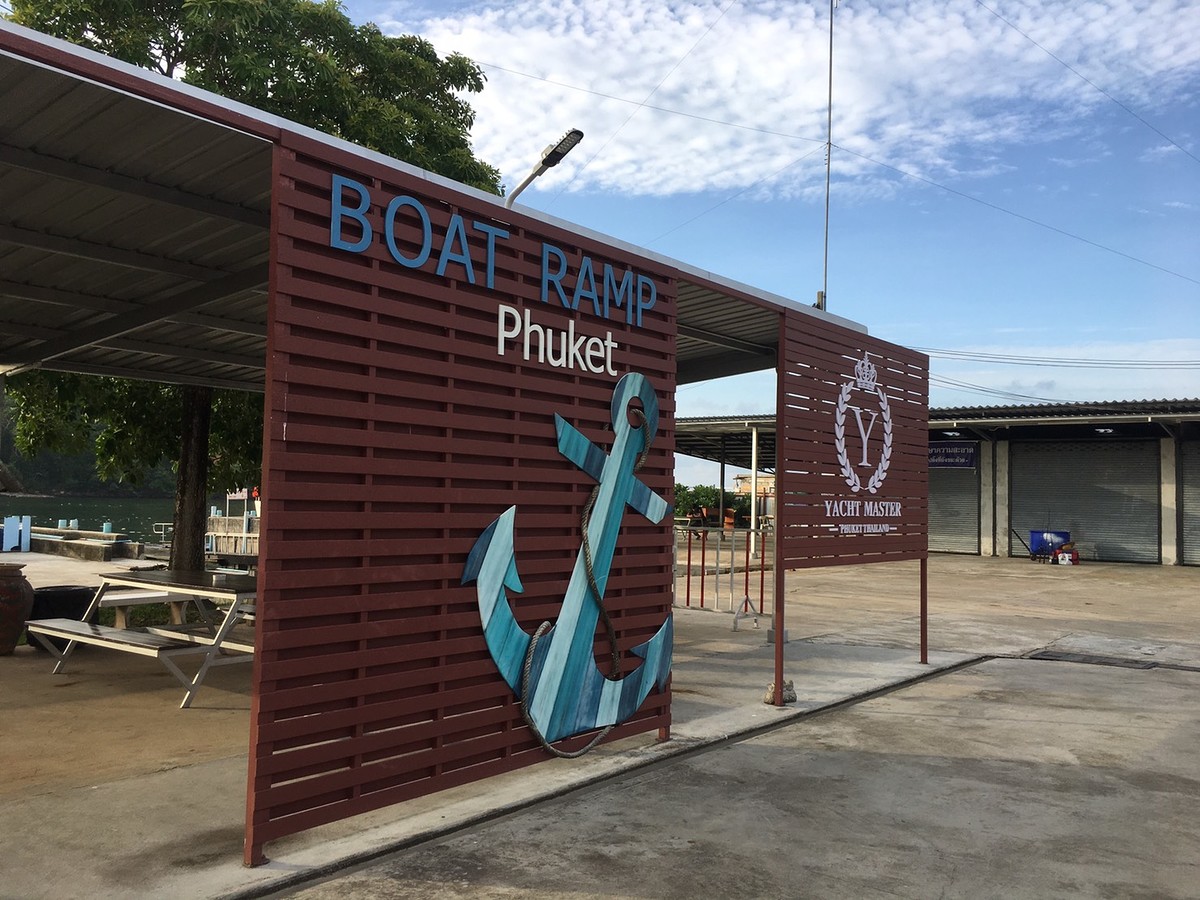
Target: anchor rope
point(594, 589)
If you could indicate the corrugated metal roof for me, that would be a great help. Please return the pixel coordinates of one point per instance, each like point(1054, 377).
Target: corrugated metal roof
point(1167, 412)
point(133, 237)
point(728, 438)
point(718, 337)
point(1038, 412)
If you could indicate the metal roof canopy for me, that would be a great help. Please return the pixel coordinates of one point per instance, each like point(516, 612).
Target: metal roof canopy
point(133, 237)
point(729, 438)
point(1110, 412)
point(134, 231)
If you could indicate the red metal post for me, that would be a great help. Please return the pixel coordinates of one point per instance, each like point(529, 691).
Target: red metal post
point(777, 622)
point(925, 610)
point(762, 578)
point(703, 563)
point(782, 486)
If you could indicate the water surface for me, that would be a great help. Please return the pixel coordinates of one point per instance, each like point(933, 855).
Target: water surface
point(132, 516)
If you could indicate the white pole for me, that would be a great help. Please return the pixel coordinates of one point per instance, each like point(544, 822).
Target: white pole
point(828, 160)
point(754, 492)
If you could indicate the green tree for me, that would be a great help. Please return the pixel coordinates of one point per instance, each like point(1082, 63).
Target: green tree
point(708, 496)
point(302, 60)
point(131, 426)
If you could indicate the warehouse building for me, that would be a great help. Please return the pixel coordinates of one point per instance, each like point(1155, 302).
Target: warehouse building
point(1122, 477)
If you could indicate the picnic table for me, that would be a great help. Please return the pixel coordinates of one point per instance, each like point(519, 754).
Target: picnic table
point(221, 600)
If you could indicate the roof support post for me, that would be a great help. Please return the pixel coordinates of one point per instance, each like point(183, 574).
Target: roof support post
point(754, 490)
point(1170, 526)
point(721, 490)
point(778, 626)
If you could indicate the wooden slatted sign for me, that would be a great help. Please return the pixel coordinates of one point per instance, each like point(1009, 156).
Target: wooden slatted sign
point(852, 447)
point(455, 401)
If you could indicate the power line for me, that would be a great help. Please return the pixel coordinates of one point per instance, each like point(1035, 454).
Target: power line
point(1022, 216)
point(954, 384)
point(967, 386)
point(1058, 362)
point(863, 156)
point(875, 162)
point(1089, 81)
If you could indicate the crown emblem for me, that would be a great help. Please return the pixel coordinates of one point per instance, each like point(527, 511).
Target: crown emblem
point(864, 373)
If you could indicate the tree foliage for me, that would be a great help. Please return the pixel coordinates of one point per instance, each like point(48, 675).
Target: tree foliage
point(132, 426)
point(707, 496)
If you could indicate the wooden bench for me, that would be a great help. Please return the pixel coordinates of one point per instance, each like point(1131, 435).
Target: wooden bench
point(124, 639)
point(231, 595)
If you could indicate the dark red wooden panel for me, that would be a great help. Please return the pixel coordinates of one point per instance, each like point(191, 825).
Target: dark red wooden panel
point(852, 447)
point(396, 434)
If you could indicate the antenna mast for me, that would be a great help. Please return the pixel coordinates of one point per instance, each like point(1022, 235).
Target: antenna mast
point(828, 162)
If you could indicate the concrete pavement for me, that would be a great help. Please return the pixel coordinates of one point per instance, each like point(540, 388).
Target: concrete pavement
point(113, 791)
point(1006, 779)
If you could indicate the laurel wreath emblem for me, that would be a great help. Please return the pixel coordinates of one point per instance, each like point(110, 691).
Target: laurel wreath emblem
point(839, 436)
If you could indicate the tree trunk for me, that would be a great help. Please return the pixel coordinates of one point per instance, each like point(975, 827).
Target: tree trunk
point(191, 484)
point(9, 481)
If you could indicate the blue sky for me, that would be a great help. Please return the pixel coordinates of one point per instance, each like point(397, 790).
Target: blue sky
point(1011, 178)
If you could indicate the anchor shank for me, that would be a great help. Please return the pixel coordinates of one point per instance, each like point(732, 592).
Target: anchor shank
point(569, 658)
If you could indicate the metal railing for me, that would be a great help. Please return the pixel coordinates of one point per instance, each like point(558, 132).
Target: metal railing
point(724, 569)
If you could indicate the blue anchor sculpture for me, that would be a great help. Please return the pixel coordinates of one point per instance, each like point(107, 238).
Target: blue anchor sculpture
point(567, 694)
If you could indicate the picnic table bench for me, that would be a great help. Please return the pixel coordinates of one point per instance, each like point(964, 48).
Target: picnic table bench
point(208, 638)
point(139, 642)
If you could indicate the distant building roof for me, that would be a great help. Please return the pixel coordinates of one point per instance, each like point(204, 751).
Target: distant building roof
point(1036, 413)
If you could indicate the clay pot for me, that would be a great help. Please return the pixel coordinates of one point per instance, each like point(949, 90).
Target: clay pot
point(16, 602)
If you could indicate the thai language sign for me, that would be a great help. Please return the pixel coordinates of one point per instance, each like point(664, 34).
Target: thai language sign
point(953, 454)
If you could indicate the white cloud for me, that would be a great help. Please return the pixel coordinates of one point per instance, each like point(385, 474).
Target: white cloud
point(1158, 153)
point(938, 89)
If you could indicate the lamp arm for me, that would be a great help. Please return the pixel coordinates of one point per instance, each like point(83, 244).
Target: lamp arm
point(508, 201)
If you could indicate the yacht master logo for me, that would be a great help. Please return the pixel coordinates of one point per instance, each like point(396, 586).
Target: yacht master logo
point(864, 381)
point(553, 672)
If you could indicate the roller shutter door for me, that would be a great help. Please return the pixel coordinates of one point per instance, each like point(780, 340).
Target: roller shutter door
point(1105, 493)
point(954, 510)
point(1189, 484)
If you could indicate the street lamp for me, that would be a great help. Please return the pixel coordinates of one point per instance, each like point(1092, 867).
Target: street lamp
point(551, 157)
